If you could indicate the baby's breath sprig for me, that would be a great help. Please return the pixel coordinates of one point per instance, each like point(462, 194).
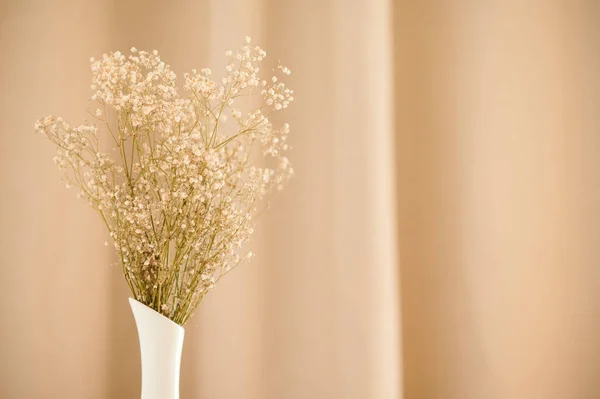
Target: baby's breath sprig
point(180, 194)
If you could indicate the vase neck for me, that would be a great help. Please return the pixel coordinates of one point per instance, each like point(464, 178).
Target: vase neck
point(161, 341)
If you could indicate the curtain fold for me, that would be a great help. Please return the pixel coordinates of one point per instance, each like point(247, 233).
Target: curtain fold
point(55, 294)
point(497, 149)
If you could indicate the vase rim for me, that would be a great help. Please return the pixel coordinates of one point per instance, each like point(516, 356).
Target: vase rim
point(135, 303)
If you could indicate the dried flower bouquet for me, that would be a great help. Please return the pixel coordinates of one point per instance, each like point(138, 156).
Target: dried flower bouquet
point(180, 193)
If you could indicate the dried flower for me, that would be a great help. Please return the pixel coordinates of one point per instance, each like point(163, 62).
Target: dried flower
point(180, 195)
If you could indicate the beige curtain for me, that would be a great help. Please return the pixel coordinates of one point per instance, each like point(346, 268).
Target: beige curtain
point(438, 242)
point(498, 147)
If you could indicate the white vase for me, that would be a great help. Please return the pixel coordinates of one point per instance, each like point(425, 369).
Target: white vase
point(161, 340)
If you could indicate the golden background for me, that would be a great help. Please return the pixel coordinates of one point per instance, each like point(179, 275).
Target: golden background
point(440, 239)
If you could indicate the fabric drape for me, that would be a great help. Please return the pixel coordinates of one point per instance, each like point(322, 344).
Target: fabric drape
point(439, 239)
